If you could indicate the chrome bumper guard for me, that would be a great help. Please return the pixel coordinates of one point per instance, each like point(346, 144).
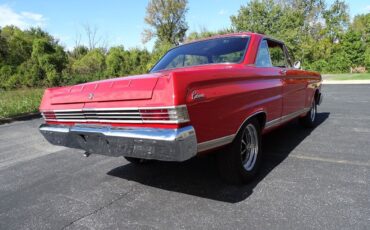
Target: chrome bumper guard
point(147, 143)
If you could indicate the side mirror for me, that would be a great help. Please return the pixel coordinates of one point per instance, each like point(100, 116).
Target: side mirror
point(297, 65)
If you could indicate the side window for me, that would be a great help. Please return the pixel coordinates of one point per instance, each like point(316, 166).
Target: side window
point(191, 60)
point(187, 60)
point(263, 57)
point(229, 57)
point(290, 59)
point(176, 62)
point(277, 54)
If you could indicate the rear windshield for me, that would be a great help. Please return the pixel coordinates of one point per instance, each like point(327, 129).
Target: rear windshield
point(219, 50)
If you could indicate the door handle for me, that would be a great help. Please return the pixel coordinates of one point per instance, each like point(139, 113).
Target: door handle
point(283, 71)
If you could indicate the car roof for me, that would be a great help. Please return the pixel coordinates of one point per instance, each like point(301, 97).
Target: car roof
point(237, 34)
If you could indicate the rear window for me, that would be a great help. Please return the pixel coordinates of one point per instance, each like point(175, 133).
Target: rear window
point(219, 50)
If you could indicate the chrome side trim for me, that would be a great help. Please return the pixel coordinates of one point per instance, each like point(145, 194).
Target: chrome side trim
point(215, 143)
point(223, 140)
point(285, 118)
point(228, 139)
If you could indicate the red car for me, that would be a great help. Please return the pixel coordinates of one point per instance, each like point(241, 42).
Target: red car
point(224, 91)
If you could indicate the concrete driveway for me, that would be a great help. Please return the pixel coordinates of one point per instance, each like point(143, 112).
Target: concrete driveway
point(310, 179)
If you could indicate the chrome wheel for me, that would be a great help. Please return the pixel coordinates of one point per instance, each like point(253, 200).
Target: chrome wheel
point(313, 112)
point(249, 147)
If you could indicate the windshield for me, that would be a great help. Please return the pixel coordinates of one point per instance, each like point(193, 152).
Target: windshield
point(219, 50)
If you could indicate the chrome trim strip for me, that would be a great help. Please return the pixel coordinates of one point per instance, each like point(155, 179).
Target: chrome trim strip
point(119, 121)
point(211, 144)
point(215, 143)
point(123, 108)
point(61, 129)
point(285, 118)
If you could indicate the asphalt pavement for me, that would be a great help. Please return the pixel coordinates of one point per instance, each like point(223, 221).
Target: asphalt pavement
point(310, 179)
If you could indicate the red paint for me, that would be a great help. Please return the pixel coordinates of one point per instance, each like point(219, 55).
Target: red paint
point(232, 92)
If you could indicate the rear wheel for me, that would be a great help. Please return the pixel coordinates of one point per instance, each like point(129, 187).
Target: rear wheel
point(309, 120)
point(240, 161)
point(137, 161)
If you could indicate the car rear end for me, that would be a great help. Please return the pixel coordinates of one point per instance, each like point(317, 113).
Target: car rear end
point(133, 117)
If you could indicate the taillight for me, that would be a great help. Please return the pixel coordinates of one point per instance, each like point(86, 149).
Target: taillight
point(154, 114)
point(49, 115)
point(177, 114)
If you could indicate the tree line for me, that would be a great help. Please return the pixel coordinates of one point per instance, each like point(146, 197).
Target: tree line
point(321, 36)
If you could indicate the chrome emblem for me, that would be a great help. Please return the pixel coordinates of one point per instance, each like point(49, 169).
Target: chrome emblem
point(91, 96)
point(197, 96)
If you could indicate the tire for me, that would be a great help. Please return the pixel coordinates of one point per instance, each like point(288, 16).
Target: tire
point(137, 161)
point(309, 120)
point(238, 163)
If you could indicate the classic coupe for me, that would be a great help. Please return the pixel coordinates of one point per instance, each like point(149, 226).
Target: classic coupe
point(222, 92)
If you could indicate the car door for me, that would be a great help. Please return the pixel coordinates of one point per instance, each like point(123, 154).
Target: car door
point(293, 83)
point(297, 81)
point(271, 77)
point(295, 87)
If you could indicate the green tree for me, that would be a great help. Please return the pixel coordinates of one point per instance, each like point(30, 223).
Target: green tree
point(367, 58)
point(354, 47)
point(18, 44)
point(78, 52)
point(361, 24)
point(336, 19)
point(260, 16)
point(115, 61)
point(91, 66)
point(50, 58)
point(166, 19)
point(204, 33)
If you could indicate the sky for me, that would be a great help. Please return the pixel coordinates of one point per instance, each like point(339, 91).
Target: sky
point(119, 22)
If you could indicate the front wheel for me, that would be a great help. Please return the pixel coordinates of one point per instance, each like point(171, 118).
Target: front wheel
point(239, 163)
point(309, 120)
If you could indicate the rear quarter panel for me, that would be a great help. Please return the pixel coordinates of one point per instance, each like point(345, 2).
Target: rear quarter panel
point(314, 81)
point(231, 94)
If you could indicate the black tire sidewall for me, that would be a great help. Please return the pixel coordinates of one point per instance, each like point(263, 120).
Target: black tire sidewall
point(306, 121)
point(245, 175)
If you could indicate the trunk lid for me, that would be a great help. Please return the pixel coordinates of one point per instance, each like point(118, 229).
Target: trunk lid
point(125, 88)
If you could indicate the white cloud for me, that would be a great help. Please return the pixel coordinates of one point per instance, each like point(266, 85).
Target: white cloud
point(22, 20)
point(367, 7)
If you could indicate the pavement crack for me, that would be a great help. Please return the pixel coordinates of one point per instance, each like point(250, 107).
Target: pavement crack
point(99, 209)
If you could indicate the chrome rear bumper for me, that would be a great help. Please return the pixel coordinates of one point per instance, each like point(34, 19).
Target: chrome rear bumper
point(147, 143)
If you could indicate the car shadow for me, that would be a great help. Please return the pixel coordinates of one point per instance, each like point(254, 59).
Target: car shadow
point(199, 176)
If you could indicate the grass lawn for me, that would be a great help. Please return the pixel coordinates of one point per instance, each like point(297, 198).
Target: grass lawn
point(348, 76)
point(18, 102)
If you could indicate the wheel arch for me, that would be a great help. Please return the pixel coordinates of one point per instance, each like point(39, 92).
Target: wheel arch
point(259, 115)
